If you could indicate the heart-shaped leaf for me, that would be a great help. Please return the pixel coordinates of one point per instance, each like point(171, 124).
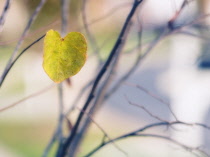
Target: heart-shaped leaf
point(63, 57)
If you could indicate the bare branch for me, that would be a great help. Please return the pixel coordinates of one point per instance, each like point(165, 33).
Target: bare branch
point(32, 33)
point(177, 14)
point(12, 58)
point(137, 63)
point(187, 148)
point(109, 14)
point(4, 13)
point(145, 109)
point(158, 98)
point(90, 36)
point(194, 35)
point(76, 100)
point(26, 98)
point(98, 101)
point(50, 144)
point(13, 62)
point(59, 130)
point(61, 152)
point(64, 16)
point(104, 132)
point(61, 113)
point(150, 126)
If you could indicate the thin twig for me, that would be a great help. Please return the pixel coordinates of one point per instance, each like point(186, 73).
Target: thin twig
point(125, 136)
point(108, 14)
point(12, 57)
point(61, 114)
point(150, 126)
point(50, 144)
point(145, 109)
point(177, 14)
point(156, 97)
point(203, 125)
point(26, 98)
point(194, 35)
point(64, 16)
point(64, 26)
point(187, 148)
point(4, 13)
point(136, 64)
point(76, 100)
point(103, 131)
point(13, 62)
point(90, 36)
point(32, 33)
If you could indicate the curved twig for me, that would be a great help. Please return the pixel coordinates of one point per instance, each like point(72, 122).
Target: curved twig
point(13, 62)
point(138, 133)
point(31, 20)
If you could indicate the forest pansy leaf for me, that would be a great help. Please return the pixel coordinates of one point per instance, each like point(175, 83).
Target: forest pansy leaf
point(63, 57)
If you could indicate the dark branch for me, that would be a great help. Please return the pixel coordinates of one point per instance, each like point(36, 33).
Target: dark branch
point(11, 65)
point(11, 59)
point(61, 152)
point(150, 126)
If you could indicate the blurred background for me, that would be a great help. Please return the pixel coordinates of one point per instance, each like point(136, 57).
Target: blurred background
point(176, 70)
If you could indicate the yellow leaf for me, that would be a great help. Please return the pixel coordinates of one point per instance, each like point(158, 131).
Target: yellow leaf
point(63, 57)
